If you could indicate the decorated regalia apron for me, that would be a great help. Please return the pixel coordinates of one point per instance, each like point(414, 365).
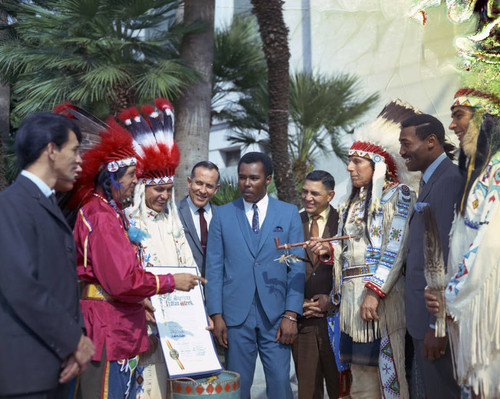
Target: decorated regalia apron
point(473, 291)
point(374, 261)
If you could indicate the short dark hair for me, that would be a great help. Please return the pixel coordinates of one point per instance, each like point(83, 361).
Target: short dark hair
point(40, 129)
point(425, 125)
point(207, 165)
point(252, 157)
point(322, 176)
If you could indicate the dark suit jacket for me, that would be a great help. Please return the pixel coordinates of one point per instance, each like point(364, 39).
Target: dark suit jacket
point(191, 235)
point(241, 264)
point(40, 319)
point(441, 192)
point(318, 275)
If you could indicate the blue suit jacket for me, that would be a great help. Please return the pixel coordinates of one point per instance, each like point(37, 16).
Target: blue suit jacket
point(237, 269)
point(441, 192)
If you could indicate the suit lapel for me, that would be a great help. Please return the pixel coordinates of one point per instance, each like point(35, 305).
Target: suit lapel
point(35, 192)
point(188, 219)
point(435, 176)
point(269, 223)
point(445, 164)
point(244, 225)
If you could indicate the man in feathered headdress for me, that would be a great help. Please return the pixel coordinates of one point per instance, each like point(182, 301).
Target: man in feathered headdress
point(108, 262)
point(153, 211)
point(368, 268)
point(473, 277)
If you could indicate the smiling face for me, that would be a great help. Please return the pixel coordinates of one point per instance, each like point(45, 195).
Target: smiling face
point(361, 171)
point(252, 181)
point(315, 197)
point(66, 162)
point(202, 186)
point(461, 117)
point(127, 184)
point(416, 152)
point(156, 196)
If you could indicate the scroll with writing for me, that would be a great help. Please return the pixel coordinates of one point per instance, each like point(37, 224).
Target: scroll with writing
point(181, 319)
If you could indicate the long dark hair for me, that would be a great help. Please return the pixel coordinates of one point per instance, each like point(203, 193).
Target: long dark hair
point(368, 200)
point(488, 143)
point(104, 180)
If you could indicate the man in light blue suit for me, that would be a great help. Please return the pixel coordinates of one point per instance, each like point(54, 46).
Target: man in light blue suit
point(254, 299)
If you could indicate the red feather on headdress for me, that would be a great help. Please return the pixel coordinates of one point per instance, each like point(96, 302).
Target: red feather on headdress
point(152, 129)
point(116, 144)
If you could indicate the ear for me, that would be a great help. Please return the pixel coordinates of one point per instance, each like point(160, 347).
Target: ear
point(268, 180)
point(189, 179)
point(432, 141)
point(216, 188)
point(331, 194)
point(51, 150)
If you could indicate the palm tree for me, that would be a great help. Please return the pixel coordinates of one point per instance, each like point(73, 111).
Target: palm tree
point(192, 128)
point(4, 116)
point(322, 110)
point(93, 53)
point(274, 35)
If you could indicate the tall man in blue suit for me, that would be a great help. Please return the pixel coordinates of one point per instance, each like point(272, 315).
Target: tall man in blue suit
point(422, 139)
point(254, 300)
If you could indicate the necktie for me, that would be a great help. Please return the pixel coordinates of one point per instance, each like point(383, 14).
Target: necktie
point(255, 219)
point(203, 229)
point(314, 232)
point(421, 185)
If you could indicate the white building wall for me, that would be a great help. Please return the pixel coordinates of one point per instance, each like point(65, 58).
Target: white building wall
point(376, 40)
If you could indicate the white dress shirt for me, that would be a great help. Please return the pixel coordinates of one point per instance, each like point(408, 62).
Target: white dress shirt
point(261, 209)
point(44, 188)
point(196, 216)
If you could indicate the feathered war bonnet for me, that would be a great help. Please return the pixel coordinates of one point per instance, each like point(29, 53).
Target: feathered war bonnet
point(106, 145)
point(379, 142)
point(153, 133)
point(158, 157)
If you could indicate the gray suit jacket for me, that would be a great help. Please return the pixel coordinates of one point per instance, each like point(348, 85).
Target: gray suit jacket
point(191, 235)
point(442, 191)
point(40, 318)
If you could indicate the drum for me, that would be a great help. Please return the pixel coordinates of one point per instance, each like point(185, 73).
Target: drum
point(225, 385)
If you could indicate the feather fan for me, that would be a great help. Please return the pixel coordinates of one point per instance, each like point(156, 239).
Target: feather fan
point(434, 267)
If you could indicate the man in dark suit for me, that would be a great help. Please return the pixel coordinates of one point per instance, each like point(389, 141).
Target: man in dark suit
point(422, 139)
point(43, 346)
point(253, 298)
point(196, 211)
point(312, 353)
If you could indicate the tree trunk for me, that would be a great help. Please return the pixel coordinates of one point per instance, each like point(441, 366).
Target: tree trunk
point(274, 34)
point(4, 120)
point(192, 123)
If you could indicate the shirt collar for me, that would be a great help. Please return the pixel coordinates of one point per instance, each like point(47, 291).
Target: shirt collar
point(194, 208)
point(44, 188)
point(432, 167)
point(261, 204)
point(323, 215)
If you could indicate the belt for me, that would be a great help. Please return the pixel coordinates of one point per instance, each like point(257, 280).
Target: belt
point(358, 271)
point(96, 292)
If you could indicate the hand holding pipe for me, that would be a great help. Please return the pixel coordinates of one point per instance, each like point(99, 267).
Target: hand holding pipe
point(300, 244)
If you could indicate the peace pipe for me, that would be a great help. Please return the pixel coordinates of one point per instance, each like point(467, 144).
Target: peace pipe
point(299, 244)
